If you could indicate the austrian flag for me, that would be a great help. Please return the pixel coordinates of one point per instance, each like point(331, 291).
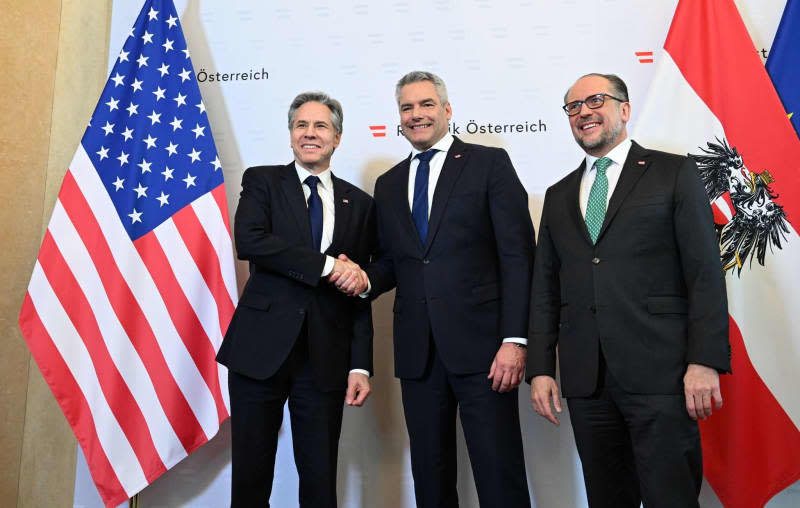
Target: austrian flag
point(725, 114)
point(134, 285)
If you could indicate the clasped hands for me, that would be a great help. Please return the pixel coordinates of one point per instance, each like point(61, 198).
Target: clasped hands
point(348, 277)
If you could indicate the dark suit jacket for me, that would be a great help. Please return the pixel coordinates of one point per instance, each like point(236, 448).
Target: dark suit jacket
point(650, 292)
point(469, 282)
point(273, 232)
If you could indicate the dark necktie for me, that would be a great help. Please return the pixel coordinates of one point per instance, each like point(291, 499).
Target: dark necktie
point(314, 210)
point(419, 207)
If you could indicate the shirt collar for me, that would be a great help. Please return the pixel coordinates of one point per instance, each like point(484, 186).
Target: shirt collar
point(324, 177)
point(618, 154)
point(443, 145)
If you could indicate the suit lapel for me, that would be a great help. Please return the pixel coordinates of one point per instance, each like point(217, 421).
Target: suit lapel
point(635, 165)
point(453, 165)
point(343, 209)
point(293, 191)
point(574, 197)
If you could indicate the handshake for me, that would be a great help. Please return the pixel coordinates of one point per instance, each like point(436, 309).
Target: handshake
point(348, 277)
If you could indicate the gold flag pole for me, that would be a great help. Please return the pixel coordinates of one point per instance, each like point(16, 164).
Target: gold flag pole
point(134, 501)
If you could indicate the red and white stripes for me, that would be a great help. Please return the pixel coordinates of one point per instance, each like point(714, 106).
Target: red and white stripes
point(126, 332)
point(751, 447)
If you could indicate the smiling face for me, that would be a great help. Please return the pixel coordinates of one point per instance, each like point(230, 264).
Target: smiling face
point(313, 136)
point(422, 115)
point(599, 130)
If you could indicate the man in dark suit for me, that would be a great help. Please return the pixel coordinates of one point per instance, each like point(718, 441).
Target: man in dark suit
point(628, 284)
point(293, 334)
point(456, 239)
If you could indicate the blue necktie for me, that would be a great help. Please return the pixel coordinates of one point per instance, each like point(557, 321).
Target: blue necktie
point(419, 207)
point(314, 211)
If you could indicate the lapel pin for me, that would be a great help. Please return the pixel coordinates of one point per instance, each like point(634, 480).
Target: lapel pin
point(345, 201)
point(457, 156)
point(641, 163)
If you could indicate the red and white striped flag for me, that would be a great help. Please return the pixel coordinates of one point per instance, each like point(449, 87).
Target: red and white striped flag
point(711, 98)
point(134, 285)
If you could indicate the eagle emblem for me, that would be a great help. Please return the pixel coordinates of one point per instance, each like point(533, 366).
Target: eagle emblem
point(746, 217)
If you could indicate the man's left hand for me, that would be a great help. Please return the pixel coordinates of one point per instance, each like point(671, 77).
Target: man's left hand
point(701, 384)
point(508, 367)
point(357, 389)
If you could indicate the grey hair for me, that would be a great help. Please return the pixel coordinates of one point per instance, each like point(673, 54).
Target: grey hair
point(418, 77)
point(337, 116)
point(618, 87)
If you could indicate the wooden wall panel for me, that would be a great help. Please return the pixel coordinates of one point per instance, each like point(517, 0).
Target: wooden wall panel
point(53, 57)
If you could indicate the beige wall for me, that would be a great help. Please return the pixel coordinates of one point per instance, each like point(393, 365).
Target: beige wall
point(53, 56)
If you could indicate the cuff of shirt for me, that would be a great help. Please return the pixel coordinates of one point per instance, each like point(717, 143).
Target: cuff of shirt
point(328, 268)
point(360, 371)
point(365, 294)
point(516, 340)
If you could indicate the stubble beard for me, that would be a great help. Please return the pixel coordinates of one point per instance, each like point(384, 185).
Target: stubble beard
point(606, 140)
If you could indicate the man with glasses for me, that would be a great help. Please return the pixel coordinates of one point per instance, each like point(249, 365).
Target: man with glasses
point(628, 284)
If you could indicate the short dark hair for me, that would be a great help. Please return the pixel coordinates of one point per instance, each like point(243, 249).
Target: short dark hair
point(337, 116)
point(618, 87)
point(418, 77)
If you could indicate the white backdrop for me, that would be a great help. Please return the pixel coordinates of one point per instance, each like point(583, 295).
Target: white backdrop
point(505, 63)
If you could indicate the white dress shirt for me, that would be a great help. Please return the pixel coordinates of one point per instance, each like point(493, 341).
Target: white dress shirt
point(618, 155)
point(436, 163)
point(325, 191)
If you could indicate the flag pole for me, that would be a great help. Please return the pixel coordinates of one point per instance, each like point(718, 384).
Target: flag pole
point(134, 501)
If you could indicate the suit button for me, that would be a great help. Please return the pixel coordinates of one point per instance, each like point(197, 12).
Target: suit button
point(595, 261)
point(593, 309)
point(426, 261)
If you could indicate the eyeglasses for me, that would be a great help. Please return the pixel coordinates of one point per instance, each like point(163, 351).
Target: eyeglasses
point(592, 102)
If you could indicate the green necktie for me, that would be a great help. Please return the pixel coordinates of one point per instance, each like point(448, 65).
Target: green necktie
point(596, 207)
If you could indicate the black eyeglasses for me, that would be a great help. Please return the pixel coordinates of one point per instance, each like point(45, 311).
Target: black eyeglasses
point(592, 102)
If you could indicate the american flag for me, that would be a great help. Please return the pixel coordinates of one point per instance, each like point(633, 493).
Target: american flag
point(134, 284)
